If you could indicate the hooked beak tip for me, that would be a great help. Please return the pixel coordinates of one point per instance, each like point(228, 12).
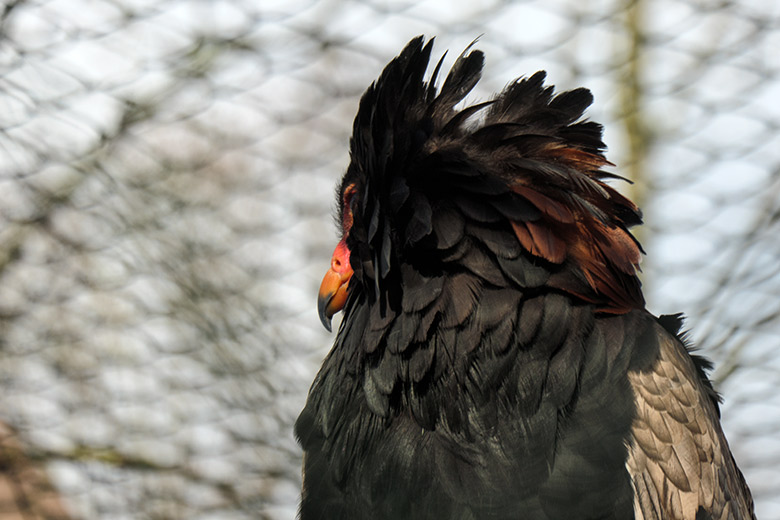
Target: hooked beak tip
point(334, 288)
point(322, 308)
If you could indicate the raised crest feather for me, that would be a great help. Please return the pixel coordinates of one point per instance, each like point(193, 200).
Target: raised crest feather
point(528, 147)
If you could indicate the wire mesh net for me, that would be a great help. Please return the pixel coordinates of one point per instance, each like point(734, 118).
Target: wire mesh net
point(166, 180)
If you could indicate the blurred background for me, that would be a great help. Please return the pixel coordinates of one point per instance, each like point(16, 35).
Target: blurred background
point(167, 170)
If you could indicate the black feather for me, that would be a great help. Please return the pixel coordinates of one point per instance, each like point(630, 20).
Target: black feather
point(477, 210)
point(420, 290)
point(448, 226)
point(501, 242)
point(462, 293)
point(376, 399)
point(516, 208)
point(523, 271)
point(480, 263)
point(420, 222)
point(421, 362)
point(462, 78)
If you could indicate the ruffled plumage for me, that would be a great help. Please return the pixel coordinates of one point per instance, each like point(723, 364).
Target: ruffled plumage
point(495, 359)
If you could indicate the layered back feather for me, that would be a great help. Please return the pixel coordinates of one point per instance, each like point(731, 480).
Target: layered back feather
point(524, 160)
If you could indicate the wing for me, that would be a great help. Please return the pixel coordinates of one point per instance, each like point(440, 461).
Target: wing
point(680, 464)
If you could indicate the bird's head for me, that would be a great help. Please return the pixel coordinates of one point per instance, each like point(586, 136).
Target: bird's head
point(498, 189)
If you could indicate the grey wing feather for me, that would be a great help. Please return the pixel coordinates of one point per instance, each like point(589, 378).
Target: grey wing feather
point(680, 464)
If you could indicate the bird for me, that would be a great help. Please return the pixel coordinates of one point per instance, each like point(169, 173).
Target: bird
point(495, 357)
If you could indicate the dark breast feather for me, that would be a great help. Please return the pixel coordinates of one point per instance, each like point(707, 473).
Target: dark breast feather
point(539, 426)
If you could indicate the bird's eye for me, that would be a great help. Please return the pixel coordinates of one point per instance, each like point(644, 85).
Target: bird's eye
point(349, 196)
point(349, 202)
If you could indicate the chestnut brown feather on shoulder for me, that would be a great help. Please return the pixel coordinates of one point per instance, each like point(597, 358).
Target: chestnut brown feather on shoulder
point(495, 359)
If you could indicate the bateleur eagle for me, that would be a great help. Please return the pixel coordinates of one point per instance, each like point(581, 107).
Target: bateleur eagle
point(495, 359)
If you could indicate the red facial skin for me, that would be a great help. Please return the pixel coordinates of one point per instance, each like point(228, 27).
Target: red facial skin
point(333, 290)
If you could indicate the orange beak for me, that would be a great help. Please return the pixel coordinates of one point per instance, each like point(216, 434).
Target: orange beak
point(333, 290)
